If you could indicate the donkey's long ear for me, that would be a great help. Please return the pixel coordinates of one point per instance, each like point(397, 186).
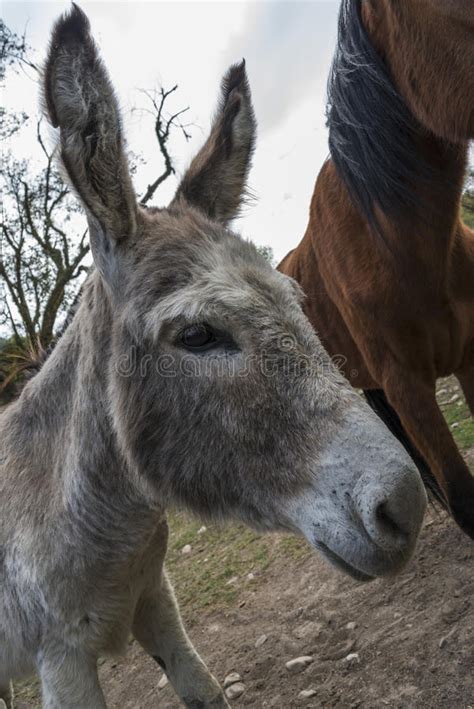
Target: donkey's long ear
point(216, 179)
point(80, 100)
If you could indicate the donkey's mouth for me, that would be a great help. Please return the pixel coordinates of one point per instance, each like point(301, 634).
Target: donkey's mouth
point(341, 564)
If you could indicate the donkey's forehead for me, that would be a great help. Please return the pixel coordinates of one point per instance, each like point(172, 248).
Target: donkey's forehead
point(204, 267)
point(197, 249)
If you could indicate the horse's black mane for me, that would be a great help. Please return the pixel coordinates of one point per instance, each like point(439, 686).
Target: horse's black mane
point(372, 132)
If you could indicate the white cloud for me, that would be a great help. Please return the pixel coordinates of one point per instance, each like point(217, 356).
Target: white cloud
point(288, 48)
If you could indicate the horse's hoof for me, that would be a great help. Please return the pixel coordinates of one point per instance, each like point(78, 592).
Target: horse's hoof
point(462, 509)
point(466, 524)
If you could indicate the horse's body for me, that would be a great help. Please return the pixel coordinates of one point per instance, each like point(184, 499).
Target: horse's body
point(189, 373)
point(386, 262)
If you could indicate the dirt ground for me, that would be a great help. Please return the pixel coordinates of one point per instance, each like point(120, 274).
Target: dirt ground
point(413, 635)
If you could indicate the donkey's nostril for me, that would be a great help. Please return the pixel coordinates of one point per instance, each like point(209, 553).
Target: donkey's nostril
point(390, 507)
point(386, 520)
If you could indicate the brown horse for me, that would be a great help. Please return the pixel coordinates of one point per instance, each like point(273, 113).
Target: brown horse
point(386, 261)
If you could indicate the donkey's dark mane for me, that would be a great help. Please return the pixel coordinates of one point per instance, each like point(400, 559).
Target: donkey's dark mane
point(372, 132)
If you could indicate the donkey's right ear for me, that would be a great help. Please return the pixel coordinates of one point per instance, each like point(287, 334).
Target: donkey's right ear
point(81, 102)
point(215, 182)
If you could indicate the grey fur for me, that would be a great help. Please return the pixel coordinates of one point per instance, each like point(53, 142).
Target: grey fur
point(121, 420)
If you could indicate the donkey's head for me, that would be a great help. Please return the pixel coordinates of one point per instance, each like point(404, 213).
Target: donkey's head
point(221, 395)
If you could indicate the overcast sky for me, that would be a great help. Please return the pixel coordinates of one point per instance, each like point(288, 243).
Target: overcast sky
point(288, 48)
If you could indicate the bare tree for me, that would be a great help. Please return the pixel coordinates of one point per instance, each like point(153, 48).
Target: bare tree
point(40, 259)
point(164, 125)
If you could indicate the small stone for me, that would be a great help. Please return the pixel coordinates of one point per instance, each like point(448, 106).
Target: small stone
point(186, 549)
point(307, 693)
point(352, 659)
point(260, 641)
point(235, 690)
point(202, 529)
point(455, 424)
point(299, 664)
point(232, 580)
point(351, 626)
point(232, 678)
point(163, 682)
point(250, 576)
point(455, 397)
point(309, 630)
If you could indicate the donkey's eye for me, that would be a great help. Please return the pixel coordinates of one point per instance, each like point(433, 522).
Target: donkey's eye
point(198, 337)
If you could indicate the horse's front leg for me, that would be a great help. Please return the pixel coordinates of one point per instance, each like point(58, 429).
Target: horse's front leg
point(69, 680)
point(415, 402)
point(158, 628)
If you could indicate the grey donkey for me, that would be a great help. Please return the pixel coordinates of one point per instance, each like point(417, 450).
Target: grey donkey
point(189, 375)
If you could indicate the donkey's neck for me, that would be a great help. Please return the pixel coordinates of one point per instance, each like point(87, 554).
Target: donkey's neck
point(63, 434)
point(431, 61)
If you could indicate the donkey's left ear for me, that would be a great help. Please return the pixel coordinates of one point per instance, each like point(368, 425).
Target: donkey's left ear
point(80, 101)
point(216, 179)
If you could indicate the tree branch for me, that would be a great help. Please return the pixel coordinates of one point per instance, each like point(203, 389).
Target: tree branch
point(163, 127)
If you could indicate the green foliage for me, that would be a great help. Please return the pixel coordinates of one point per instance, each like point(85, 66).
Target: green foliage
point(468, 208)
point(468, 200)
point(267, 253)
